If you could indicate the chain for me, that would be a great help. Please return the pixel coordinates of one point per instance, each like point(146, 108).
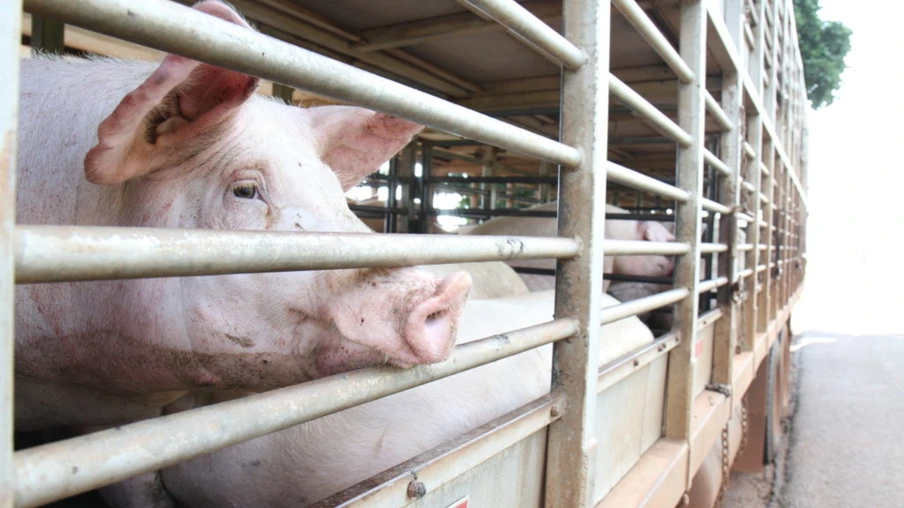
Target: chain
point(726, 452)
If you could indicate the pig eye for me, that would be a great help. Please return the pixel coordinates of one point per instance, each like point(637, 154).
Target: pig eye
point(245, 190)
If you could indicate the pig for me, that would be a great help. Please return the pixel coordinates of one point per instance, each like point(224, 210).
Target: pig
point(184, 144)
point(490, 279)
point(308, 462)
point(651, 266)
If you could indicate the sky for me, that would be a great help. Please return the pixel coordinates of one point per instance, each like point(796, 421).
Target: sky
point(854, 278)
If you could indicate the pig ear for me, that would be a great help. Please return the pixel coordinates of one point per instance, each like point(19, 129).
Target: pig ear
point(183, 98)
point(654, 232)
point(355, 142)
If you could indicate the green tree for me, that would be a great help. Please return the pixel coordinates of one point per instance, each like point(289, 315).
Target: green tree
point(823, 46)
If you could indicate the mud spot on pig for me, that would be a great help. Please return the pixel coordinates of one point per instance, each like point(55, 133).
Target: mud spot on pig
point(244, 342)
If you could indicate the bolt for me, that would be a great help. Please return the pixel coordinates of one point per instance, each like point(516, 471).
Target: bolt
point(417, 489)
point(554, 412)
point(636, 362)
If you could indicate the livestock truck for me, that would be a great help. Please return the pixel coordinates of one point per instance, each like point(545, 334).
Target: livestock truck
point(691, 112)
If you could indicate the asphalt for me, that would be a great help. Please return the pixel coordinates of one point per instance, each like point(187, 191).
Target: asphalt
point(845, 445)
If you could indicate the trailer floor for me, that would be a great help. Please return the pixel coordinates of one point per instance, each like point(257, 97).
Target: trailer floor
point(843, 447)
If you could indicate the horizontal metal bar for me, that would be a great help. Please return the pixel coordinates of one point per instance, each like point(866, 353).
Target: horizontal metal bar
point(764, 169)
point(762, 247)
point(745, 273)
point(657, 119)
point(495, 179)
point(715, 109)
point(713, 206)
point(761, 268)
point(45, 473)
point(745, 247)
point(444, 463)
point(716, 162)
point(764, 198)
point(709, 248)
point(622, 367)
point(630, 178)
point(641, 305)
point(640, 248)
point(709, 285)
point(748, 149)
point(744, 217)
point(749, 187)
point(619, 277)
point(537, 34)
point(654, 37)
point(376, 211)
point(174, 28)
point(69, 253)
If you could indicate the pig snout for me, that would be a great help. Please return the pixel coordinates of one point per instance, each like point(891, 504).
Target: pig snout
point(407, 315)
point(430, 330)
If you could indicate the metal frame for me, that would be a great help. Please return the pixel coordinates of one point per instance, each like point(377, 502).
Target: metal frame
point(776, 177)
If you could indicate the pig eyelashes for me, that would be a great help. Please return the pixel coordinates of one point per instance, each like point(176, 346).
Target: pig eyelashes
point(245, 190)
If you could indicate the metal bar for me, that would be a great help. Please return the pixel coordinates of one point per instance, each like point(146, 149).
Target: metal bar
point(713, 206)
point(524, 25)
point(657, 119)
point(651, 33)
point(715, 162)
point(748, 149)
point(10, 40)
point(174, 28)
point(69, 253)
point(622, 367)
point(640, 248)
point(709, 285)
point(749, 187)
point(445, 463)
point(44, 473)
point(745, 273)
point(47, 36)
point(690, 164)
point(641, 305)
point(628, 177)
point(713, 107)
point(571, 442)
point(710, 248)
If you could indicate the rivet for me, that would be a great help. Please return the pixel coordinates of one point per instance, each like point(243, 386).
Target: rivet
point(554, 412)
point(417, 489)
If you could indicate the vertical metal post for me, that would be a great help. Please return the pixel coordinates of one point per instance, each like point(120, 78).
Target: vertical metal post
point(764, 297)
point(10, 30)
point(571, 447)
point(755, 137)
point(730, 149)
point(426, 190)
point(391, 220)
point(407, 160)
point(284, 92)
point(489, 158)
point(545, 168)
point(47, 35)
point(691, 117)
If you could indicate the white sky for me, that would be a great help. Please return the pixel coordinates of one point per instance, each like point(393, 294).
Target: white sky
point(856, 190)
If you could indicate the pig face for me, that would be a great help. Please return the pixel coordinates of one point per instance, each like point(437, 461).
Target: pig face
point(191, 147)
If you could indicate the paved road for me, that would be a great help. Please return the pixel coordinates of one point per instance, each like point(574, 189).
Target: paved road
point(846, 447)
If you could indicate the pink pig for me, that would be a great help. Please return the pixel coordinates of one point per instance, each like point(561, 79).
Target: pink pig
point(189, 145)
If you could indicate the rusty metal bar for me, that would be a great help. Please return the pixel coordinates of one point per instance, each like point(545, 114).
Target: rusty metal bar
point(45, 473)
point(711, 248)
point(651, 33)
point(69, 253)
point(713, 206)
point(630, 178)
point(637, 248)
point(174, 28)
point(571, 451)
point(10, 30)
point(713, 107)
point(715, 162)
point(709, 285)
point(691, 117)
point(445, 463)
point(657, 119)
point(534, 32)
point(641, 305)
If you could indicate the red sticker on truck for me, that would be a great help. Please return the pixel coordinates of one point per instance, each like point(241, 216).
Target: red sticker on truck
point(461, 503)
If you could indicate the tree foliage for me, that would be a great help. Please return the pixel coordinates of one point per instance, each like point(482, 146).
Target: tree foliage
point(823, 46)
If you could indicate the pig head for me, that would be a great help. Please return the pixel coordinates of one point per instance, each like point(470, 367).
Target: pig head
point(189, 145)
